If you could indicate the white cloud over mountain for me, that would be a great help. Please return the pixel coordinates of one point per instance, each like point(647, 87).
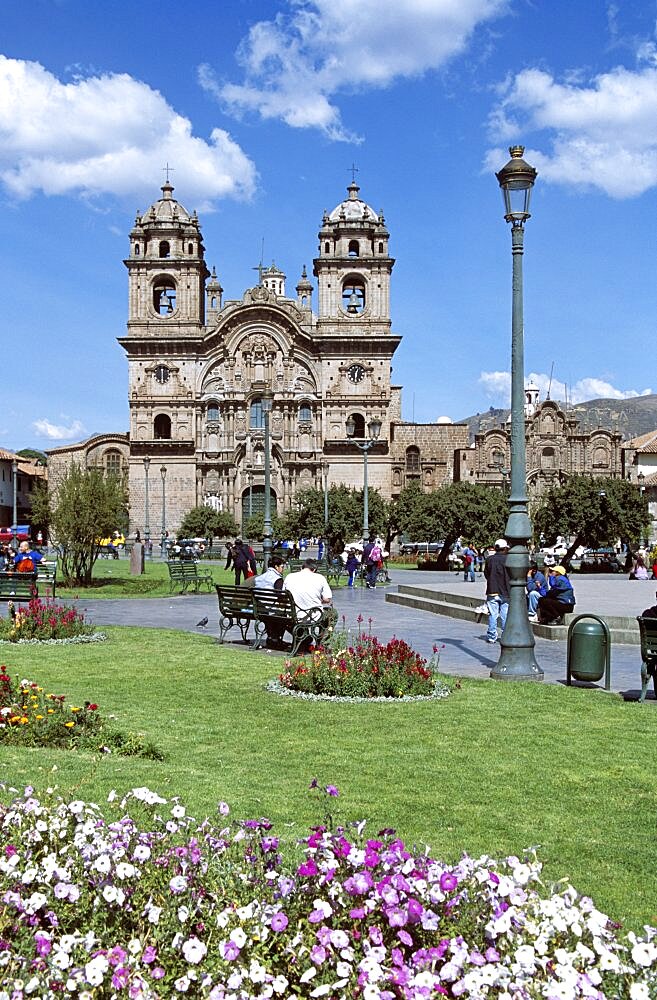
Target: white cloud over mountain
point(295, 64)
point(602, 134)
point(106, 134)
point(497, 386)
point(58, 432)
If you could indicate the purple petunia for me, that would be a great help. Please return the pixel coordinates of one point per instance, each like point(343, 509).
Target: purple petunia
point(279, 921)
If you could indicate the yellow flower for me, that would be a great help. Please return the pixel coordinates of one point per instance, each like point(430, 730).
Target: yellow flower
point(38, 717)
point(74, 709)
point(69, 724)
point(51, 711)
point(24, 720)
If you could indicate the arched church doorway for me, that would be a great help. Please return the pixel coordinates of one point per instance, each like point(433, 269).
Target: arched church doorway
point(253, 502)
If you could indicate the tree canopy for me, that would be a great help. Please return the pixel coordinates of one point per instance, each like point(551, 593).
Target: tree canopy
point(456, 510)
point(204, 522)
point(592, 512)
point(86, 507)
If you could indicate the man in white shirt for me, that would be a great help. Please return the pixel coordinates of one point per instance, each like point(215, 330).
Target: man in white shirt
point(309, 588)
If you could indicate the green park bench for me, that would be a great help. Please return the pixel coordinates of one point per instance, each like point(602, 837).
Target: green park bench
point(46, 572)
point(236, 608)
point(184, 573)
point(18, 587)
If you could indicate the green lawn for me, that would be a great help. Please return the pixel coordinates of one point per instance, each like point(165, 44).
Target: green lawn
point(111, 578)
point(494, 768)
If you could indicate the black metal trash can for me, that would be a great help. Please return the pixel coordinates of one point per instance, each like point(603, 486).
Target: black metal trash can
point(589, 650)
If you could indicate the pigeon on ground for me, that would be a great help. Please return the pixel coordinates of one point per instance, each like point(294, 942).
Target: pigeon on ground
point(203, 622)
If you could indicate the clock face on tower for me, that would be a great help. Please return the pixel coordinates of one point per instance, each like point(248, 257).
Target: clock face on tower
point(356, 374)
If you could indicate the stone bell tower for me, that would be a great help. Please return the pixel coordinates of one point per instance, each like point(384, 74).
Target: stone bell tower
point(353, 269)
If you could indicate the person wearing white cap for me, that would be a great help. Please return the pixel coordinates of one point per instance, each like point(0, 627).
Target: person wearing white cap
point(497, 589)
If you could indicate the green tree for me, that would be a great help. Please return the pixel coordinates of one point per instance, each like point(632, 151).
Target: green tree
point(204, 522)
point(254, 527)
point(87, 506)
point(592, 512)
point(457, 510)
point(345, 522)
point(34, 454)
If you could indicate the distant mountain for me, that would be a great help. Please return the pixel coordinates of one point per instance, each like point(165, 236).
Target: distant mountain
point(631, 417)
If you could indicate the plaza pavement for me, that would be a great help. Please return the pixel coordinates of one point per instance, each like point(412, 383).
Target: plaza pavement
point(465, 651)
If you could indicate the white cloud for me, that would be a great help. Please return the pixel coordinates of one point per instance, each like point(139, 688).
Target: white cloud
point(106, 134)
point(295, 64)
point(57, 432)
point(497, 386)
point(603, 133)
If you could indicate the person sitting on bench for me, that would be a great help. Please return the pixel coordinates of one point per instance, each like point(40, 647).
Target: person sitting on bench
point(272, 579)
point(560, 599)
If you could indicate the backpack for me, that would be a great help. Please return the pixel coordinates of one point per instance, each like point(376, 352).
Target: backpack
point(375, 553)
point(468, 559)
point(26, 565)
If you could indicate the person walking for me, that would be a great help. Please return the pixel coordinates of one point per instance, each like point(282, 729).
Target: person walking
point(240, 557)
point(497, 589)
point(468, 556)
point(371, 559)
point(351, 566)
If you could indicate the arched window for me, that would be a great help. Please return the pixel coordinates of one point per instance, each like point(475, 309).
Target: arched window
point(496, 458)
point(165, 249)
point(354, 249)
point(256, 415)
point(353, 294)
point(412, 459)
point(190, 248)
point(164, 296)
point(547, 458)
point(213, 412)
point(327, 248)
point(162, 427)
point(113, 462)
point(359, 425)
point(380, 247)
point(137, 249)
point(305, 412)
point(600, 458)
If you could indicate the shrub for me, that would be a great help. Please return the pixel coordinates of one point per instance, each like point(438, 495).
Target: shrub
point(148, 904)
point(29, 716)
point(43, 620)
point(368, 669)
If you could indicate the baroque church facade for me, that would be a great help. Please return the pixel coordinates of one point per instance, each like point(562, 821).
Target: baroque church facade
point(200, 365)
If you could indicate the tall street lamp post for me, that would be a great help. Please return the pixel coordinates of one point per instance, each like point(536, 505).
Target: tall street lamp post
point(14, 527)
point(147, 527)
point(163, 473)
point(267, 402)
point(517, 660)
point(642, 489)
point(373, 430)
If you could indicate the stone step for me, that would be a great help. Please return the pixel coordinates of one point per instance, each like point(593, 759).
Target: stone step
point(623, 630)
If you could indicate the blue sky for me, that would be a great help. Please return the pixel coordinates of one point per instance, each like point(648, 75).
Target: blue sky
point(261, 108)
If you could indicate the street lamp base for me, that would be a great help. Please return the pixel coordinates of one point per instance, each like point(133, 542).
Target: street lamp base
point(517, 664)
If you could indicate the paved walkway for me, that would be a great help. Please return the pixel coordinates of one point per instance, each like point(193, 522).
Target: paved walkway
point(465, 652)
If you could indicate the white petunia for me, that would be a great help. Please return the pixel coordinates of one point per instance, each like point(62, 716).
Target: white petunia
point(194, 951)
point(238, 937)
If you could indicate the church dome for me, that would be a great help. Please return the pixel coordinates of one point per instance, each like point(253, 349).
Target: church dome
point(166, 209)
point(353, 208)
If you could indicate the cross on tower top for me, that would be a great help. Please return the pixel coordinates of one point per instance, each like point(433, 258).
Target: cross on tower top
point(354, 170)
point(167, 169)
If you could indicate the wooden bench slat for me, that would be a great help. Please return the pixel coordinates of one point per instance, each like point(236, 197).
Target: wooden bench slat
point(19, 587)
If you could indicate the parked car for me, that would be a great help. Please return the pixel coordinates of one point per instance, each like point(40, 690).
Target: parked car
point(413, 548)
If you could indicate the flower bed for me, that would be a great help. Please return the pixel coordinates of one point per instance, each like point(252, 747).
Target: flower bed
point(151, 905)
point(30, 716)
point(366, 669)
point(43, 620)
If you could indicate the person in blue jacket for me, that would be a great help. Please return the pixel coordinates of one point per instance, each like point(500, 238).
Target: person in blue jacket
point(560, 599)
point(536, 588)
